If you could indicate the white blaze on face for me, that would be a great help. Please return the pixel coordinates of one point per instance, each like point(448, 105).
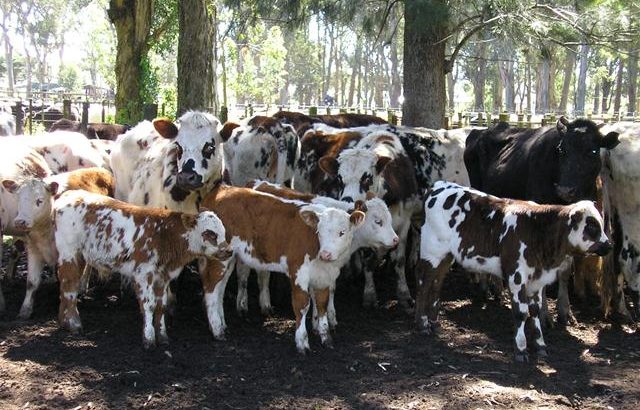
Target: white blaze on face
point(377, 229)
point(34, 202)
point(354, 165)
point(335, 233)
point(198, 138)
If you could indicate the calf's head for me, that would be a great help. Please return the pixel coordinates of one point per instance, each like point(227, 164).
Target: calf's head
point(205, 235)
point(377, 229)
point(586, 233)
point(579, 158)
point(196, 147)
point(34, 198)
point(335, 229)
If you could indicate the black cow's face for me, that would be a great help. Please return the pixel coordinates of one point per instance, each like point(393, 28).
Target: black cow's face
point(579, 158)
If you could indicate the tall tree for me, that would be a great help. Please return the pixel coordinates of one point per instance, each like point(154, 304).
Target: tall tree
point(196, 63)
point(569, 65)
point(8, 47)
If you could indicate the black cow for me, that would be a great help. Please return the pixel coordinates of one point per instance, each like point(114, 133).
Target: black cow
point(546, 165)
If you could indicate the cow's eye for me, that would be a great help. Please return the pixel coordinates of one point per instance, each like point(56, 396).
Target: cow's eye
point(595, 152)
point(341, 233)
point(39, 202)
point(209, 149)
point(379, 222)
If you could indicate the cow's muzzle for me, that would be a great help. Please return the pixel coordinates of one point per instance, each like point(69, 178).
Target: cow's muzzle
point(188, 180)
point(567, 194)
point(21, 225)
point(601, 248)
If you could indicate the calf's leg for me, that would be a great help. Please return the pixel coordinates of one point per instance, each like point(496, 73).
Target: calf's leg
point(147, 301)
point(535, 304)
point(520, 309)
point(565, 315)
point(300, 302)
point(321, 323)
point(265, 295)
point(214, 275)
point(69, 276)
point(35, 264)
point(429, 281)
point(242, 298)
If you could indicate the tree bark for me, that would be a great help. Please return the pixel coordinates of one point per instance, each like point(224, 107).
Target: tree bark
point(355, 71)
point(596, 98)
point(424, 61)
point(451, 84)
point(478, 80)
point(581, 91)
point(607, 83)
point(195, 39)
point(8, 58)
point(617, 101)
point(543, 83)
point(569, 64)
point(498, 88)
point(396, 84)
point(132, 20)
point(632, 81)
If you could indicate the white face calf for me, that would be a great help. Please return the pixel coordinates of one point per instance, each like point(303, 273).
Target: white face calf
point(196, 143)
point(587, 229)
point(335, 229)
point(377, 229)
point(207, 237)
point(33, 201)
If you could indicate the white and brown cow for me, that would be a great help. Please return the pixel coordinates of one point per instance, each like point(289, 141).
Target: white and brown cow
point(376, 232)
point(308, 243)
point(526, 244)
point(148, 245)
point(34, 220)
point(398, 164)
point(620, 187)
point(164, 165)
point(263, 148)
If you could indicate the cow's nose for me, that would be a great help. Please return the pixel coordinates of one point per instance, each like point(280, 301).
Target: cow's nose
point(566, 193)
point(188, 180)
point(325, 255)
point(21, 224)
point(347, 199)
point(396, 241)
point(603, 248)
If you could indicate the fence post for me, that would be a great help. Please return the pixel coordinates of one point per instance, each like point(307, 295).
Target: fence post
point(224, 114)
point(103, 114)
point(488, 119)
point(162, 109)
point(19, 118)
point(85, 117)
point(313, 110)
point(480, 119)
point(520, 120)
point(447, 119)
point(150, 111)
point(66, 109)
point(503, 117)
point(250, 110)
point(30, 115)
point(328, 110)
point(529, 124)
point(460, 119)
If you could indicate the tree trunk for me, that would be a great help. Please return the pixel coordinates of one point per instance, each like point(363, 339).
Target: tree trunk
point(617, 101)
point(528, 80)
point(355, 71)
point(498, 88)
point(424, 61)
point(480, 77)
point(396, 84)
point(132, 20)
point(596, 98)
point(8, 58)
point(607, 83)
point(543, 83)
point(569, 64)
point(632, 81)
point(581, 91)
point(451, 84)
point(195, 75)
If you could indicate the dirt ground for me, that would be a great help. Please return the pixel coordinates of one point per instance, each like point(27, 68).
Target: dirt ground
point(378, 362)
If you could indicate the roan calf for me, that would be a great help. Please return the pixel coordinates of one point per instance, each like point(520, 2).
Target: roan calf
point(526, 244)
point(148, 245)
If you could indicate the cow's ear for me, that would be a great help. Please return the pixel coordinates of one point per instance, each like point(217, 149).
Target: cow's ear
point(357, 218)
point(329, 165)
point(610, 140)
point(52, 187)
point(227, 130)
point(359, 205)
point(189, 220)
point(10, 185)
point(165, 127)
point(562, 124)
point(381, 163)
point(310, 218)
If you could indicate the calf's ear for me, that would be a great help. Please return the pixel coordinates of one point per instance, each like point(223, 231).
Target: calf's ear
point(52, 188)
point(328, 165)
point(562, 124)
point(610, 140)
point(10, 185)
point(310, 218)
point(189, 221)
point(357, 218)
point(381, 163)
point(227, 130)
point(165, 127)
point(359, 206)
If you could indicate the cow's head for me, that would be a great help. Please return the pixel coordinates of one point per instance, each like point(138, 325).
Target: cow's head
point(586, 233)
point(196, 147)
point(33, 200)
point(377, 229)
point(205, 235)
point(579, 158)
point(335, 229)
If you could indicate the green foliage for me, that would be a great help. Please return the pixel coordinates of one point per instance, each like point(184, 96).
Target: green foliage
point(168, 98)
point(69, 78)
point(149, 84)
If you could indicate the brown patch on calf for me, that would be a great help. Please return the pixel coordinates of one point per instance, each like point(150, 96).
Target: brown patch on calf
point(227, 130)
point(95, 180)
point(282, 192)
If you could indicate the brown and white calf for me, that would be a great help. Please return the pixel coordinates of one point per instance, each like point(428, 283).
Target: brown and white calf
point(376, 233)
point(307, 242)
point(35, 218)
point(148, 245)
point(526, 244)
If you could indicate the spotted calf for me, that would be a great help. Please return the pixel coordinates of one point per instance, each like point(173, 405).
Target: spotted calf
point(148, 245)
point(526, 244)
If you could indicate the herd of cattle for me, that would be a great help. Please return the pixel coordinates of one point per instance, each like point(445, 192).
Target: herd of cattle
point(303, 195)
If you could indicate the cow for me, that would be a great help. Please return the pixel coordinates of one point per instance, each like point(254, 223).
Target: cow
point(526, 244)
point(51, 114)
point(34, 220)
point(549, 165)
point(620, 175)
point(162, 165)
point(21, 188)
point(7, 124)
point(302, 122)
point(94, 130)
point(376, 232)
point(398, 164)
point(307, 242)
point(263, 148)
point(148, 245)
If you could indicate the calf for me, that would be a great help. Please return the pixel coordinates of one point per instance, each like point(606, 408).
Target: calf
point(376, 232)
point(308, 243)
point(526, 244)
point(148, 245)
point(35, 220)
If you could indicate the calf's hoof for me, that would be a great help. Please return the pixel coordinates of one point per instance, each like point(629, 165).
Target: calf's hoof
point(72, 325)
point(327, 341)
point(566, 319)
point(426, 327)
point(25, 312)
point(521, 357)
point(163, 340)
point(148, 344)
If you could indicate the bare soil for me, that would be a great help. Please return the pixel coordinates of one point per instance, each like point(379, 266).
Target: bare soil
point(378, 361)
